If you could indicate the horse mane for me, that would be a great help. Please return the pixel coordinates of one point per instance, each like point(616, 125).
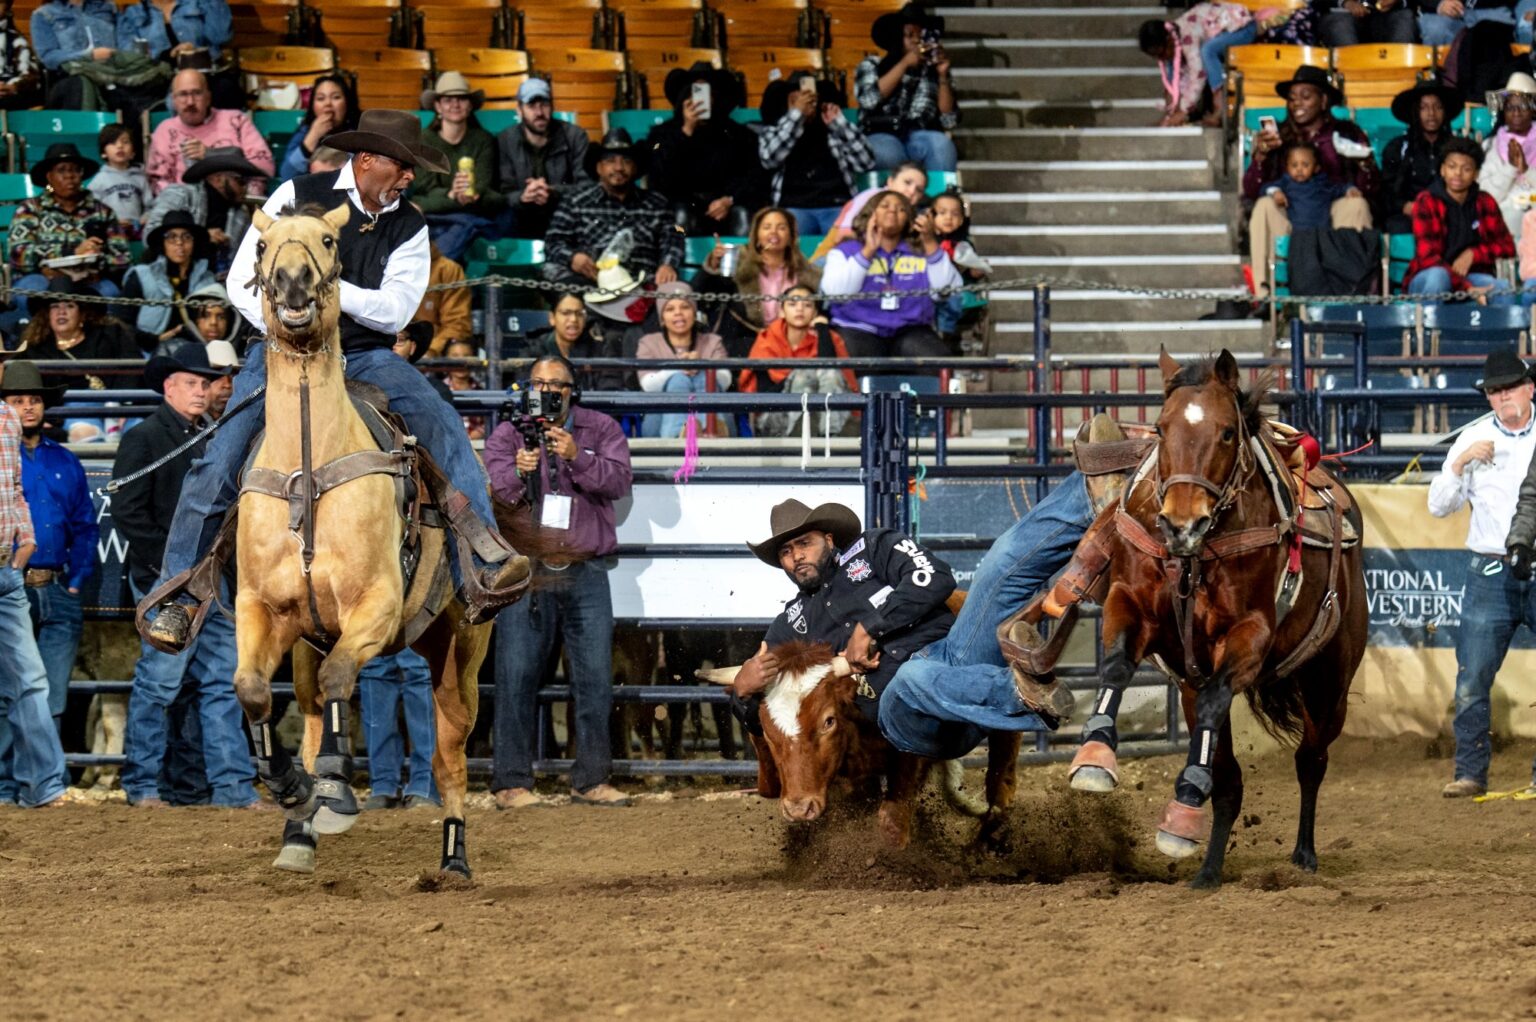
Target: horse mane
point(1250, 401)
point(313, 209)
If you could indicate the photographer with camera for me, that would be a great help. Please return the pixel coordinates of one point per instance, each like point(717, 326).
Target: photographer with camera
point(567, 466)
point(906, 101)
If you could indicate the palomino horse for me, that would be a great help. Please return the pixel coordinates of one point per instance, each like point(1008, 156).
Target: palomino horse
point(341, 586)
point(1219, 599)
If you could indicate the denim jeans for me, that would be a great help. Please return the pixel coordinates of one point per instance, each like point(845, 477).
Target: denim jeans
point(810, 223)
point(36, 757)
point(574, 605)
point(1522, 23)
point(1213, 52)
point(671, 424)
point(208, 666)
point(56, 622)
point(1437, 280)
point(1340, 28)
point(933, 149)
point(944, 699)
point(213, 482)
point(387, 683)
point(1493, 607)
point(453, 233)
point(1438, 30)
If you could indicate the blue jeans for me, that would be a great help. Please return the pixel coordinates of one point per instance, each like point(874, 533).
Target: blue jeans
point(812, 222)
point(36, 757)
point(213, 482)
point(385, 684)
point(671, 424)
point(1438, 30)
point(208, 666)
point(933, 149)
point(56, 622)
point(1213, 52)
point(576, 606)
point(1494, 606)
point(1523, 24)
point(947, 313)
point(1437, 280)
point(453, 233)
point(943, 701)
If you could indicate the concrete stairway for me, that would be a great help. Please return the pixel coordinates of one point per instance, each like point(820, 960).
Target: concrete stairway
point(1068, 179)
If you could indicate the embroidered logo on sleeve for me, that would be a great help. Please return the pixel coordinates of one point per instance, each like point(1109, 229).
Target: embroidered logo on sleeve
point(859, 570)
point(796, 617)
point(852, 551)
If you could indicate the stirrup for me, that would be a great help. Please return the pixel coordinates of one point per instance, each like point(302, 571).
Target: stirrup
point(170, 629)
point(484, 597)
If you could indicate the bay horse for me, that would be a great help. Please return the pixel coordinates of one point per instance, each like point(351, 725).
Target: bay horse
point(1197, 565)
point(319, 477)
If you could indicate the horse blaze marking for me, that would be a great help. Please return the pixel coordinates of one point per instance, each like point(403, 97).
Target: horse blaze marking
point(1193, 413)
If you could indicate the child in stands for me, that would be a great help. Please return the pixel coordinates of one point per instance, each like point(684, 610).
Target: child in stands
point(1303, 193)
point(952, 226)
point(121, 184)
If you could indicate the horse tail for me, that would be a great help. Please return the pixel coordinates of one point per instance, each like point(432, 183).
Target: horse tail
point(1278, 704)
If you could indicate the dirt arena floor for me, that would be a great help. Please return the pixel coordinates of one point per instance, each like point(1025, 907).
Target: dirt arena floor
point(688, 906)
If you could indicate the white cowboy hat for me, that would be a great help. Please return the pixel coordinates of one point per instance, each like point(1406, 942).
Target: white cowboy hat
point(1520, 82)
point(452, 83)
point(221, 355)
point(615, 295)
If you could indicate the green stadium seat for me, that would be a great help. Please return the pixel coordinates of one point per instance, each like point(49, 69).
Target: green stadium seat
point(277, 127)
point(939, 181)
point(14, 188)
point(156, 117)
point(1400, 251)
point(1480, 119)
point(637, 122)
point(497, 121)
point(46, 127)
point(509, 256)
point(1379, 126)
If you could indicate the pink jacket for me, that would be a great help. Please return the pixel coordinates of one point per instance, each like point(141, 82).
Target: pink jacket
point(222, 128)
point(1525, 248)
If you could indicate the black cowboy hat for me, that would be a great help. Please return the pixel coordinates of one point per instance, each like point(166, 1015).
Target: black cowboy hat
point(886, 31)
point(1316, 77)
point(1405, 105)
point(791, 518)
point(1502, 369)
point(724, 89)
point(615, 143)
point(60, 289)
point(420, 332)
point(61, 152)
point(179, 218)
point(393, 133)
point(221, 159)
point(189, 358)
point(22, 377)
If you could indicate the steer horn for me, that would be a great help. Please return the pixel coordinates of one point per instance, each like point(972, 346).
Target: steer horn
point(727, 675)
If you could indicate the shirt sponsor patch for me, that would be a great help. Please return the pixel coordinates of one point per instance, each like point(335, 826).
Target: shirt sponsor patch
point(852, 551)
point(859, 570)
point(878, 600)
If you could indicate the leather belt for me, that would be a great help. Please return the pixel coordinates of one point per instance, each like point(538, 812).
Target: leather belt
point(39, 577)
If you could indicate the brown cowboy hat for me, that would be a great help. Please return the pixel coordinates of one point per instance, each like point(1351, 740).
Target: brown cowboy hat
point(791, 518)
point(392, 133)
point(22, 377)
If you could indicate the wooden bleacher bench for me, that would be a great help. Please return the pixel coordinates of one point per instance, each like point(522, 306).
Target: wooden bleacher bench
point(462, 23)
point(587, 82)
point(550, 24)
point(390, 78)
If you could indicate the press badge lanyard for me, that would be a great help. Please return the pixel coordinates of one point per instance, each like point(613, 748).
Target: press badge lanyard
point(889, 301)
point(555, 511)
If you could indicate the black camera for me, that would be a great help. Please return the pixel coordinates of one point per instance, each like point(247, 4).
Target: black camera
point(531, 411)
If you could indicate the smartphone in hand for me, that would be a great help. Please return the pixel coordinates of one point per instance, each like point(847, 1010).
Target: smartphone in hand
point(701, 99)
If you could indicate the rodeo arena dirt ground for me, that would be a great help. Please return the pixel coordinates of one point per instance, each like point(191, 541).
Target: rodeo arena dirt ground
point(698, 903)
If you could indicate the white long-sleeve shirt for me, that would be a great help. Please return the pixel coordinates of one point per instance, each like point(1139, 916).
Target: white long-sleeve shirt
point(1492, 490)
point(388, 309)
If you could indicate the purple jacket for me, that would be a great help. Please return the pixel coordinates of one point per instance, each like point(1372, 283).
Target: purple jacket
point(848, 272)
point(598, 476)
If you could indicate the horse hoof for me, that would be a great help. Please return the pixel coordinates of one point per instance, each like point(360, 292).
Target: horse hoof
point(1092, 778)
point(457, 866)
point(296, 859)
point(1176, 847)
point(329, 820)
point(301, 812)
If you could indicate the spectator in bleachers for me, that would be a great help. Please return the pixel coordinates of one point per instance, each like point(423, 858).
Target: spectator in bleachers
point(702, 161)
point(70, 30)
point(814, 154)
point(64, 525)
point(910, 179)
point(465, 203)
point(587, 219)
point(1309, 97)
point(332, 107)
point(178, 248)
point(197, 127)
point(1349, 22)
point(449, 312)
point(573, 335)
point(462, 378)
point(906, 101)
point(678, 338)
point(1410, 162)
point(769, 264)
point(882, 259)
point(952, 226)
point(1458, 232)
point(121, 182)
point(77, 43)
point(1511, 151)
point(542, 158)
point(1441, 21)
point(326, 159)
point(21, 81)
point(171, 30)
point(213, 319)
point(1190, 51)
point(1306, 196)
point(212, 193)
point(800, 332)
point(63, 328)
point(1525, 15)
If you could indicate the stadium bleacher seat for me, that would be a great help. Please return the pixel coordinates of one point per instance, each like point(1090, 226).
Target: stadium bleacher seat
point(765, 24)
point(1379, 126)
point(653, 63)
point(551, 24)
point(658, 23)
point(497, 121)
point(511, 257)
point(391, 78)
point(361, 24)
point(1391, 331)
point(497, 72)
point(487, 23)
point(45, 127)
point(1255, 70)
point(759, 66)
point(277, 127)
point(1399, 254)
point(261, 66)
point(1476, 121)
point(262, 23)
point(587, 82)
point(1373, 73)
point(637, 122)
point(1470, 332)
point(13, 188)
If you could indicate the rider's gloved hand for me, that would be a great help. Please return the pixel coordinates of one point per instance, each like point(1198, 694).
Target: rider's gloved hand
point(1519, 557)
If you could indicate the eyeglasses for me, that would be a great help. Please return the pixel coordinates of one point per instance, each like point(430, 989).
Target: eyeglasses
point(189, 93)
point(551, 384)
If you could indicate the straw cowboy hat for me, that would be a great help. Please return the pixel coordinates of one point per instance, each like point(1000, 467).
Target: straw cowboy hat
point(392, 133)
point(791, 518)
point(189, 358)
point(1316, 77)
point(615, 298)
point(222, 355)
point(222, 158)
point(1520, 82)
point(22, 377)
point(451, 83)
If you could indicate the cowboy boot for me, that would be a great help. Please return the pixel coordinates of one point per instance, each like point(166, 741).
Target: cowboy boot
point(1105, 488)
point(1045, 695)
point(171, 628)
point(499, 585)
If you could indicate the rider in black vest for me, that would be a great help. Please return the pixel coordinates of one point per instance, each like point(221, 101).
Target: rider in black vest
point(385, 263)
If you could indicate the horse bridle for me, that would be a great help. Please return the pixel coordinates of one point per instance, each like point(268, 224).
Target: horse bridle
point(1226, 493)
point(261, 283)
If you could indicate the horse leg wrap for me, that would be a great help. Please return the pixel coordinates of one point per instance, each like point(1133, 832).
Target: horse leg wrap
point(1101, 726)
point(1196, 781)
point(292, 788)
point(333, 773)
point(455, 860)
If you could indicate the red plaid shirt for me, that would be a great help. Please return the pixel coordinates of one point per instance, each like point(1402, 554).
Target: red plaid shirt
point(15, 519)
point(1493, 240)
